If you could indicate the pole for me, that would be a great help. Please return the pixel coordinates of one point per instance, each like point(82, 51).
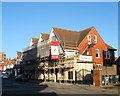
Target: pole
point(59, 76)
point(54, 72)
point(44, 72)
point(106, 70)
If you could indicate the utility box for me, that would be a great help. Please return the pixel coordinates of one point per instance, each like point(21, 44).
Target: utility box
point(106, 80)
point(103, 81)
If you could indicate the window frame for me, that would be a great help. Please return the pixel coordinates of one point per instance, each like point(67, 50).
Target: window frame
point(106, 54)
point(89, 39)
point(70, 75)
point(97, 50)
point(95, 38)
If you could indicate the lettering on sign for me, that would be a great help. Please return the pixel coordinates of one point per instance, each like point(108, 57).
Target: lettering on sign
point(54, 50)
point(85, 58)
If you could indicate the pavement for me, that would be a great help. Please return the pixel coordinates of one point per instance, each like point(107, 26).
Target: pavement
point(54, 83)
point(68, 88)
point(10, 86)
point(113, 85)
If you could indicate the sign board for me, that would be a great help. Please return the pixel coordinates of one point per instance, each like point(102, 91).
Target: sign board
point(55, 50)
point(85, 58)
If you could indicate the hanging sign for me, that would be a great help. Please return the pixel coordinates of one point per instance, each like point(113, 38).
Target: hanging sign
point(54, 50)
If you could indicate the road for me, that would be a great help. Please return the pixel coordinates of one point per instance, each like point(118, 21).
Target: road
point(11, 87)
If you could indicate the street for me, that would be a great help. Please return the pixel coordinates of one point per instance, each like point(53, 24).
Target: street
point(11, 87)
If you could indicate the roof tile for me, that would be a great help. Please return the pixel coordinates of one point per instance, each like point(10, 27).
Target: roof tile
point(71, 38)
point(45, 36)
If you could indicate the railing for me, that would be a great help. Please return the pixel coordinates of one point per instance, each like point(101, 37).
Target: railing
point(28, 48)
point(69, 64)
point(43, 48)
point(42, 43)
point(68, 43)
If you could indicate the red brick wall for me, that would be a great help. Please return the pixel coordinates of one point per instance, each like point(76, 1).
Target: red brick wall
point(100, 45)
point(111, 60)
point(97, 77)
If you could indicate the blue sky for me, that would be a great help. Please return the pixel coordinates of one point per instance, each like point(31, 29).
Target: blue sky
point(22, 21)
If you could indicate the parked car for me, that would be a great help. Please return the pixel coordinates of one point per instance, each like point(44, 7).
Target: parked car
point(21, 77)
point(4, 76)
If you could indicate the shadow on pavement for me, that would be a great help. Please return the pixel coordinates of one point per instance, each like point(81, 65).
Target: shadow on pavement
point(12, 88)
point(40, 94)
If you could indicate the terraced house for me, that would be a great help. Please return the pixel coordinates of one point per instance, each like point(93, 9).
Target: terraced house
point(67, 56)
point(6, 65)
point(2, 61)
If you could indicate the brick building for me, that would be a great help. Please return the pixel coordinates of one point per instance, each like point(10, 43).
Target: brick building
point(79, 53)
point(2, 61)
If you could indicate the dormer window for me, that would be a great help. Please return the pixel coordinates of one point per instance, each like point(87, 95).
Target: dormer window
point(89, 39)
point(95, 39)
point(107, 54)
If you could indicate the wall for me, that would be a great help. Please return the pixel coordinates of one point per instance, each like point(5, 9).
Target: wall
point(111, 60)
point(109, 70)
point(99, 45)
point(97, 77)
point(83, 69)
point(69, 53)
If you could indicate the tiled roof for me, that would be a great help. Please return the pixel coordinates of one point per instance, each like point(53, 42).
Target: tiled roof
point(109, 47)
point(69, 37)
point(83, 33)
point(19, 56)
point(35, 41)
point(45, 36)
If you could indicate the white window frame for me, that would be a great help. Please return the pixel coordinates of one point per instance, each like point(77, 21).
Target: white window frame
point(95, 38)
point(97, 51)
point(89, 39)
point(107, 54)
